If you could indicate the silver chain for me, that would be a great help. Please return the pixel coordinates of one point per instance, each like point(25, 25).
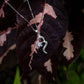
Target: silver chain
point(39, 44)
point(19, 14)
point(32, 13)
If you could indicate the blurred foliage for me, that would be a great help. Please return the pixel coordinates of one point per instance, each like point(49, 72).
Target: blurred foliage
point(17, 77)
point(12, 75)
point(75, 72)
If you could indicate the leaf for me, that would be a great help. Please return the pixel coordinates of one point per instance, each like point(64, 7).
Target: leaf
point(68, 53)
point(33, 49)
point(73, 66)
point(82, 54)
point(48, 65)
point(83, 11)
point(2, 13)
point(50, 11)
point(2, 39)
point(82, 78)
point(3, 36)
point(39, 79)
point(11, 48)
point(73, 77)
point(39, 18)
point(17, 77)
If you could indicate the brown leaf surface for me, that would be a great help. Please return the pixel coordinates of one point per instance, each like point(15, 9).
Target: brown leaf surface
point(39, 18)
point(68, 53)
point(11, 48)
point(3, 36)
point(1, 13)
point(48, 65)
point(2, 39)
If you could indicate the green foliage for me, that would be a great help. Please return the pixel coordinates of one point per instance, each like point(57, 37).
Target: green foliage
point(17, 77)
point(75, 73)
point(82, 54)
point(73, 77)
point(82, 78)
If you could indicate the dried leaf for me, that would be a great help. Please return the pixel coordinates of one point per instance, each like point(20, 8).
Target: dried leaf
point(68, 53)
